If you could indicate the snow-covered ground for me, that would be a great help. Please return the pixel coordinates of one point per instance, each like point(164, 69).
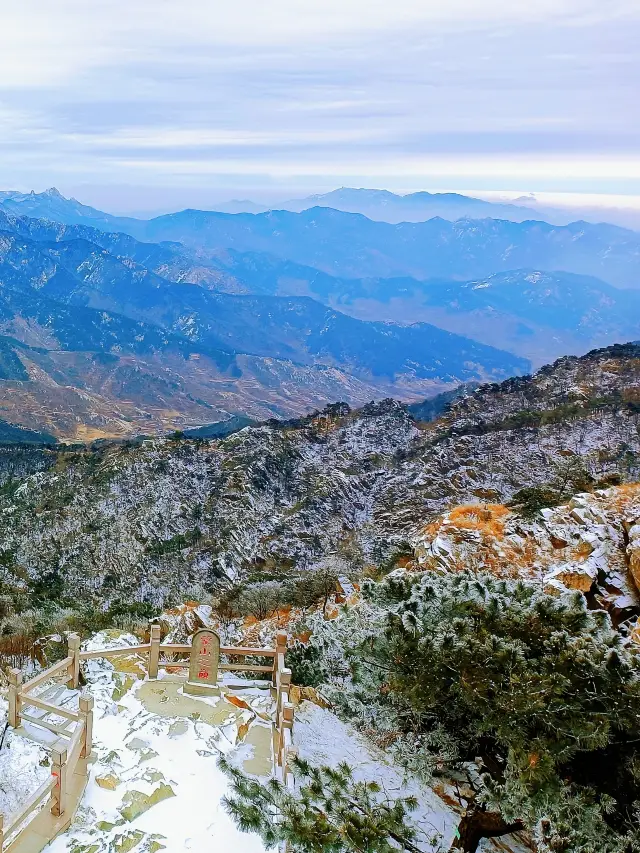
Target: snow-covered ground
point(155, 784)
point(322, 738)
point(23, 767)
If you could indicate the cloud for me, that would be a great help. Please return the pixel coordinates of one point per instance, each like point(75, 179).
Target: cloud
point(499, 167)
point(177, 138)
point(116, 91)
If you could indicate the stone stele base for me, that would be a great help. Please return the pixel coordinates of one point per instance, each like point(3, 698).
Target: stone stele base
point(200, 689)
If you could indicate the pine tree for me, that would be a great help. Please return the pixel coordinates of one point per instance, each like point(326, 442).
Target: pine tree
point(328, 813)
point(538, 692)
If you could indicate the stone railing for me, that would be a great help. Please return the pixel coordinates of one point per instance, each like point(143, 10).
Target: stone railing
point(75, 733)
point(74, 742)
point(284, 749)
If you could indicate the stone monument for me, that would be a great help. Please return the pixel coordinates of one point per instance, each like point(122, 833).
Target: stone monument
point(203, 665)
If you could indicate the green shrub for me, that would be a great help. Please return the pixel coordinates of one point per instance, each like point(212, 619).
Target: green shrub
point(306, 664)
point(528, 502)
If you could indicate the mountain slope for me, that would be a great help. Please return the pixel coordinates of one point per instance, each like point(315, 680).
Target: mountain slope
point(533, 313)
point(149, 521)
point(82, 395)
point(113, 347)
point(76, 272)
point(170, 261)
point(530, 312)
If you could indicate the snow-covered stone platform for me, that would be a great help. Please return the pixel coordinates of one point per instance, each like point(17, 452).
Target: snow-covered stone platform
point(153, 779)
point(153, 744)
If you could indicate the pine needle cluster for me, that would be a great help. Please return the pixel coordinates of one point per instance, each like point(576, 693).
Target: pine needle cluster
point(330, 812)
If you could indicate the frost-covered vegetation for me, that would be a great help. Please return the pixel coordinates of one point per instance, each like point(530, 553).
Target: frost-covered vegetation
point(155, 521)
point(529, 702)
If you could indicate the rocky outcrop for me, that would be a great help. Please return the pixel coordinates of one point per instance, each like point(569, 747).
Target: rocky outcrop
point(585, 545)
point(180, 623)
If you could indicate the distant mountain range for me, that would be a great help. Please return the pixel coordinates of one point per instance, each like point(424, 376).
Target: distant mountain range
point(379, 205)
point(536, 314)
point(413, 207)
point(97, 343)
point(531, 312)
point(375, 204)
point(116, 325)
point(350, 245)
point(385, 206)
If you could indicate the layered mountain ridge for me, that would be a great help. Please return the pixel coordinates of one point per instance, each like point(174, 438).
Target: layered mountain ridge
point(160, 517)
point(377, 204)
point(273, 314)
point(535, 314)
point(351, 246)
point(118, 347)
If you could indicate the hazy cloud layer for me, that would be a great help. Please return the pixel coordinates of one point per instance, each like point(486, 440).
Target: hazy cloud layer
point(200, 97)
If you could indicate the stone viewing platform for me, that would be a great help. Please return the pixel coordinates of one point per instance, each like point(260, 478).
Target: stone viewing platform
point(147, 728)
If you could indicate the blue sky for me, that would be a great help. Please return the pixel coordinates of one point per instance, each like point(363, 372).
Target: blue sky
point(142, 105)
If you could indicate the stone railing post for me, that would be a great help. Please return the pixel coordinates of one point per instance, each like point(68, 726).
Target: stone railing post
point(287, 715)
point(1, 832)
point(281, 649)
point(15, 686)
point(74, 653)
point(59, 771)
point(283, 694)
point(85, 708)
point(286, 748)
point(154, 651)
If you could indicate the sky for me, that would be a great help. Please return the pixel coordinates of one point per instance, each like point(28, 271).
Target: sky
point(142, 105)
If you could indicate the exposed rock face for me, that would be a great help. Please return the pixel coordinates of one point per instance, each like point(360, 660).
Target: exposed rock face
point(157, 519)
point(181, 623)
point(580, 546)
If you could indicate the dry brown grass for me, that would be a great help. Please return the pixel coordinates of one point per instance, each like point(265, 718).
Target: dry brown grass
point(431, 530)
point(16, 650)
point(487, 519)
point(582, 551)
